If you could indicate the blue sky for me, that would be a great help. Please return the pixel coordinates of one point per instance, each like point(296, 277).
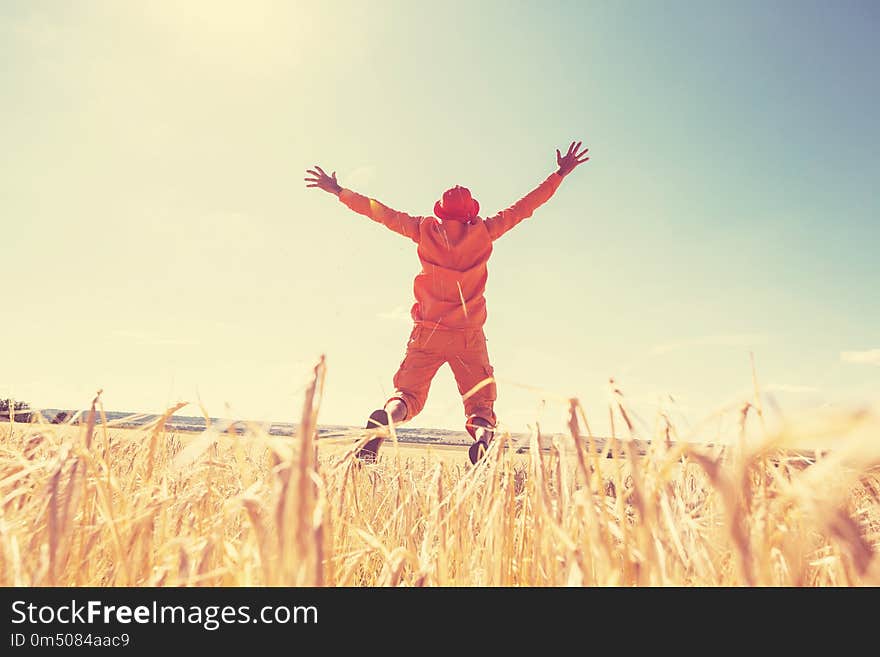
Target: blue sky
point(159, 242)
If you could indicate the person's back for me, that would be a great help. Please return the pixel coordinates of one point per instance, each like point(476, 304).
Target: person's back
point(450, 308)
point(449, 289)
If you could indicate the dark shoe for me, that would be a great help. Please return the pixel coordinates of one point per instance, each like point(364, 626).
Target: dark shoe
point(477, 451)
point(486, 433)
point(370, 452)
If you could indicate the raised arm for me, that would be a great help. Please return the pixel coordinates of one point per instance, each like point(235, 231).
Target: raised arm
point(506, 219)
point(399, 222)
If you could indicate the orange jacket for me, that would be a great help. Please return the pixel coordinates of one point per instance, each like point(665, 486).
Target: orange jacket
point(449, 289)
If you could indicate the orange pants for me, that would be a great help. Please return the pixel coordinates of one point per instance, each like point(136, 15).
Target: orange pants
point(465, 351)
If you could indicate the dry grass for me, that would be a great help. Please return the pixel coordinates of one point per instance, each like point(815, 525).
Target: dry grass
point(87, 506)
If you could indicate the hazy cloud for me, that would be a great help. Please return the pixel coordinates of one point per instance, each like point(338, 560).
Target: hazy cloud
point(867, 357)
point(359, 177)
point(141, 338)
point(731, 340)
point(789, 387)
point(398, 314)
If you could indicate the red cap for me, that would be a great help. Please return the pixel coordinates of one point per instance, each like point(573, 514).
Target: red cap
point(457, 205)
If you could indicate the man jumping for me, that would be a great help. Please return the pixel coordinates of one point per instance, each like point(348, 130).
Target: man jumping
point(450, 309)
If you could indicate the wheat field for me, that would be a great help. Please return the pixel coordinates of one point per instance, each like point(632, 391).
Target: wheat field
point(90, 505)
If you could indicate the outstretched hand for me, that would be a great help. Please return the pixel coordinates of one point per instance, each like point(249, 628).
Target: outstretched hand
point(571, 159)
point(321, 180)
